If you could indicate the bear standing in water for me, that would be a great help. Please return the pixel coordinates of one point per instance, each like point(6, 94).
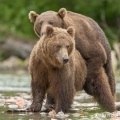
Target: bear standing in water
point(59, 70)
point(90, 40)
point(56, 68)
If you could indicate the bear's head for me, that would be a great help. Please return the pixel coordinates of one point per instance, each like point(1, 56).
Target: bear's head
point(57, 45)
point(52, 18)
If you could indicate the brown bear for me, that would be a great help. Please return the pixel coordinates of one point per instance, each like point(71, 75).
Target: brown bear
point(56, 68)
point(90, 40)
point(59, 70)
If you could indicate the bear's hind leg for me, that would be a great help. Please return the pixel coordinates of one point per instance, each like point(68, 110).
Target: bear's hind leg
point(111, 78)
point(102, 92)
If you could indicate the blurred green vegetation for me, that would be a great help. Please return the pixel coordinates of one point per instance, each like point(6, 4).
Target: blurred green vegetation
point(14, 15)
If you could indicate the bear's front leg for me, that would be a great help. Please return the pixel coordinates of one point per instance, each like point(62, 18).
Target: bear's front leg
point(35, 106)
point(64, 98)
point(38, 86)
point(38, 93)
point(50, 103)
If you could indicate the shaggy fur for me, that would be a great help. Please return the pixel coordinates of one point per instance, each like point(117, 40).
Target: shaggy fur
point(92, 45)
point(56, 68)
point(90, 42)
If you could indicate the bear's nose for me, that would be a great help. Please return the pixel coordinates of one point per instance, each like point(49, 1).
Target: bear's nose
point(65, 60)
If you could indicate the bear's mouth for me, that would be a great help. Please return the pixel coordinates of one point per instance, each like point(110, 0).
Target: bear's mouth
point(57, 63)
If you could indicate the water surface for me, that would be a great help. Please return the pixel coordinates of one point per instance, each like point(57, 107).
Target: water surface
point(15, 94)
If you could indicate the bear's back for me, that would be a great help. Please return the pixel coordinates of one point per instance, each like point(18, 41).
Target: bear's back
point(88, 28)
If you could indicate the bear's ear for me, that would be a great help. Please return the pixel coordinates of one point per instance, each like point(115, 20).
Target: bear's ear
point(71, 31)
point(32, 16)
point(49, 30)
point(62, 12)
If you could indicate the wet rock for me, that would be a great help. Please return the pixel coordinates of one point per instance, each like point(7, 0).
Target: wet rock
point(12, 62)
point(13, 106)
point(16, 47)
point(76, 115)
point(15, 64)
point(26, 61)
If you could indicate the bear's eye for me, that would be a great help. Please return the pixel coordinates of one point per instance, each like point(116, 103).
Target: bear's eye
point(51, 22)
point(67, 46)
point(40, 23)
point(58, 46)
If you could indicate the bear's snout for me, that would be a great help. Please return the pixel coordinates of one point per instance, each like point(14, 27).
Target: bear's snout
point(65, 59)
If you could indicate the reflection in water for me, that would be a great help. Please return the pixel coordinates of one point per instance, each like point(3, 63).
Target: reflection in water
point(15, 91)
point(37, 116)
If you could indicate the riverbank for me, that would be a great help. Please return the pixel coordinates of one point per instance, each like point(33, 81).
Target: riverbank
point(14, 65)
point(15, 52)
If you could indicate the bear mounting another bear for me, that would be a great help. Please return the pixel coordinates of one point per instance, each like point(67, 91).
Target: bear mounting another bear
point(59, 70)
point(92, 44)
point(90, 40)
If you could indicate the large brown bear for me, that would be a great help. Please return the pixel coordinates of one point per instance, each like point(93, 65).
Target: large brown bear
point(56, 68)
point(90, 42)
point(59, 70)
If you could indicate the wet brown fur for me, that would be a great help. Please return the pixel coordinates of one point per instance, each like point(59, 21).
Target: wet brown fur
point(50, 76)
point(93, 46)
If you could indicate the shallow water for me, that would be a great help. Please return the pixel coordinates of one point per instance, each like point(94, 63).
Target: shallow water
point(15, 94)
